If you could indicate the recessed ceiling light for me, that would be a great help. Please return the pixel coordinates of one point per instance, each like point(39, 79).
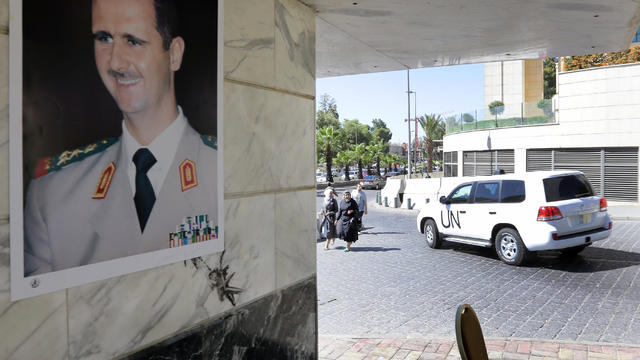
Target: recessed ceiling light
point(508, 54)
point(596, 15)
point(355, 3)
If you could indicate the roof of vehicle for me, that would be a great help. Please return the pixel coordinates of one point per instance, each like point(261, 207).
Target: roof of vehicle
point(521, 176)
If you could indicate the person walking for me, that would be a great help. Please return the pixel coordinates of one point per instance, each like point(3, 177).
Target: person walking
point(348, 218)
point(330, 208)
point(361, 199)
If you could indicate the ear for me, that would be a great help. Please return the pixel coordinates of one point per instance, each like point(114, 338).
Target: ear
point(176, 50)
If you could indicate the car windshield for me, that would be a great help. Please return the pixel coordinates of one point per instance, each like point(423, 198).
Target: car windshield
point(567, 187)
point(371, 177)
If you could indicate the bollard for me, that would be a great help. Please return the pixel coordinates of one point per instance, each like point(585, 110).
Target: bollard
point(378, 198)
point(395, 202)
point(386, 202)
point(409, 204)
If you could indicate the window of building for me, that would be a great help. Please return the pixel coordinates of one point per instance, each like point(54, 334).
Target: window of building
point(451, 164)
point(479, 163)
point(613, 172)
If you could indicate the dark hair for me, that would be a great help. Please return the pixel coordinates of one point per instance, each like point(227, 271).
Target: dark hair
point(166, 21)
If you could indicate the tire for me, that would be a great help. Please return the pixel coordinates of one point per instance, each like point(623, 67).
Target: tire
point(573, 251)
point(509, 247)
point(431, 234)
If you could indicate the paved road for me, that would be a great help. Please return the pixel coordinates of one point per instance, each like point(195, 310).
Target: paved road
point(393, 285)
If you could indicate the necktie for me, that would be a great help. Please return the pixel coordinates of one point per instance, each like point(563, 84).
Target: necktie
point(144, 197)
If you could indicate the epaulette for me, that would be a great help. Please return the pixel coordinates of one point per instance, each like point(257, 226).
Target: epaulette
point(51, 164)
point(210, 140)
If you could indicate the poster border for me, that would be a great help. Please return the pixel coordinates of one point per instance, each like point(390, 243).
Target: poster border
point(24, 287)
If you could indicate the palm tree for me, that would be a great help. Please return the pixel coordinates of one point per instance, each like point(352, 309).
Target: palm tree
point(434, 128)
point(327, 139)
point(344, 158)
point(359, 153)
point(377, 150)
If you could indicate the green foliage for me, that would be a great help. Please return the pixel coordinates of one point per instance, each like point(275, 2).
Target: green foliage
point(546, 106)
point(632, 55)
point(353, 132)
point(549, 76)
point(327, 115)
point(468, 118)
point(327, 141)
point(496, 107)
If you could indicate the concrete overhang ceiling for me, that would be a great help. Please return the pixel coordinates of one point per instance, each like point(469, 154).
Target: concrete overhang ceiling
point(364, 36)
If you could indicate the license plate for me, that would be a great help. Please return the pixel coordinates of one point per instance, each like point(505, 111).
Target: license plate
point(584, 219)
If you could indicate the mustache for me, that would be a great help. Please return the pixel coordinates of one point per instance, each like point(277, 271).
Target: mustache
point(123, 75)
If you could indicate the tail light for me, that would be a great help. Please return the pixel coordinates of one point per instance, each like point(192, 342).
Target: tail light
point(549, 213)
point(610, 225)
point(603, 204)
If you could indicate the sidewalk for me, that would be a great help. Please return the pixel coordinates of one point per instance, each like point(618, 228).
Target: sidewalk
point(348, 348)
point(624, 212)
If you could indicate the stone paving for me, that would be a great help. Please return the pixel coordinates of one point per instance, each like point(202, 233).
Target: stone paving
point(433, 348)
point(393, 286)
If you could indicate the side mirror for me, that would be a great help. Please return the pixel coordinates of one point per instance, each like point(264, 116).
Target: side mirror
point(443, 199)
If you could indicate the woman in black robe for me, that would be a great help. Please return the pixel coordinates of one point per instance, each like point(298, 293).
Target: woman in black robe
point(347, 220)
point(330, 210)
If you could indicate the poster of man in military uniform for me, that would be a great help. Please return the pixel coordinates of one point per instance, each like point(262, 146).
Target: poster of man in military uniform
point(120, 156)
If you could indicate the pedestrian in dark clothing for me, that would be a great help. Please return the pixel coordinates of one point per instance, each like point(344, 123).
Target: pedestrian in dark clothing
point(347, 220)
point(330, 209)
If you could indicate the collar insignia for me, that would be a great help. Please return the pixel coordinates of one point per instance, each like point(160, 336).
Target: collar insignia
point(188, 176)
point(104, 182)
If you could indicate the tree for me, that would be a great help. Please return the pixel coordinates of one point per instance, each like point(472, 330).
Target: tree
point(380, 131)
point(549, 76)
point(377, 151)
point(468, 118)
point(434, 128)
point(344, 158)
point(496, 108)
point(359, 153)
point(355, 133)
point(327, 115)
point(327, 141)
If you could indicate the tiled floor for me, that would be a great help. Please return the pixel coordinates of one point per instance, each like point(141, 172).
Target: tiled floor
point(342, 348)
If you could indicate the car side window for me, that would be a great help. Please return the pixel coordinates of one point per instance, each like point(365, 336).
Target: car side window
point(487, 192)
point(512, 191)
point(461, 194)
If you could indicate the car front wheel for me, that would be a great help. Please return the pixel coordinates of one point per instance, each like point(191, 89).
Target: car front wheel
point(431, 234)
point(509, 247)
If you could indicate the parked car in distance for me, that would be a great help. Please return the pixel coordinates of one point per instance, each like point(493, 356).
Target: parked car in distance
point(321, 178)
point(391, 173)
point(517, 214)
point(373, 182)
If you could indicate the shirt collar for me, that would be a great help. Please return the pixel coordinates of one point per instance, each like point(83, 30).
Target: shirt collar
point(163, 147)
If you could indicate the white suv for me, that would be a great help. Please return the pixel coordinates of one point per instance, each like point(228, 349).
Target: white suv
point(519, 213)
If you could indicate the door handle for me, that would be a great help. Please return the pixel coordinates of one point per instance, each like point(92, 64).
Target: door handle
point(492, 212)
point(462, 212)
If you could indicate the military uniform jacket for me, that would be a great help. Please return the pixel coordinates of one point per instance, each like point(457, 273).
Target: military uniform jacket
point(66, 225)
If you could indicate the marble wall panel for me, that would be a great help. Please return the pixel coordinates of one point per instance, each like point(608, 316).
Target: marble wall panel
point(295, 236)
point(268, 140)
point(34, 328)
point(249, 41)
point(119, 315)
point(295, 42)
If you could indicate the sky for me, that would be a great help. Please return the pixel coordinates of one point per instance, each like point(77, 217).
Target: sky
point(439, 90)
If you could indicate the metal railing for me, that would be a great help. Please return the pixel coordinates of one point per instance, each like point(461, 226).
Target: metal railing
point(508, 115)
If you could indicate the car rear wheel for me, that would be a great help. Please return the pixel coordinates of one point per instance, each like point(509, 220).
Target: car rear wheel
point(431, 234)
point(509, 247)
point(573, 251)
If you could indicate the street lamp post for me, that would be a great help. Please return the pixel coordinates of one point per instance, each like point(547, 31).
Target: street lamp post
point(409, 126)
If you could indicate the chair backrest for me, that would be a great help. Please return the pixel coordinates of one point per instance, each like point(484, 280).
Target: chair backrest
point(469, 335)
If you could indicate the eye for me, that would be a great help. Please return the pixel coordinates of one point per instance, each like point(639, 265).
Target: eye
point(103, 37)
point(134, 42)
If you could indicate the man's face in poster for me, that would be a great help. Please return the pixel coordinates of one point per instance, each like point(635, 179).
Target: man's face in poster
point(134, 65)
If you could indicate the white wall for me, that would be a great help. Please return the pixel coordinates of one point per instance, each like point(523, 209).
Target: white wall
point(598, 107)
